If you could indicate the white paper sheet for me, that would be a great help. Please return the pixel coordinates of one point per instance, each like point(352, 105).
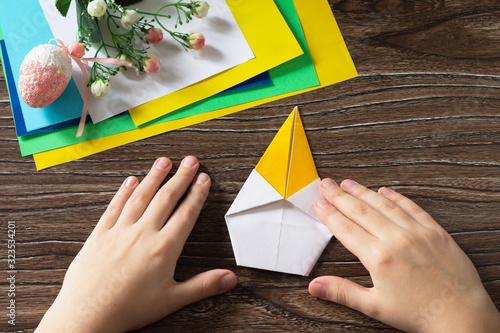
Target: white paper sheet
point(225, 48)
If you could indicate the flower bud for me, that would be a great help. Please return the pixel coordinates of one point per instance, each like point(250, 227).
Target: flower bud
point(97, 8)
point(100, 87)
point(129, 17)
point(76, 49)
point(122, 56)
point(200, 9)
point(196, 40)
point(151, 64)
point(154, 35)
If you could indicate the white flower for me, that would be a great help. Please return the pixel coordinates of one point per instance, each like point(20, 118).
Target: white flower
point(130, 17)
point(100, 87)
point(200, 9)
point(97, 8)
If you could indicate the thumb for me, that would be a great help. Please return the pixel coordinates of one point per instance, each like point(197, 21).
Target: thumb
point(343, 291)
point(204, 285)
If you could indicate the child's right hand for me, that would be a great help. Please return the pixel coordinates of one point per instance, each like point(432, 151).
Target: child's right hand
point(422, 280)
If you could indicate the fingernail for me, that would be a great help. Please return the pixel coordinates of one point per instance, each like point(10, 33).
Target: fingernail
point(130, 181)
point(227, 282)
point(162, 163)
point(328, 183)
point(385, 191)
point(322, 203)
point(189, 162)
point(349, 184)
point(202, 178)
point(318, 290)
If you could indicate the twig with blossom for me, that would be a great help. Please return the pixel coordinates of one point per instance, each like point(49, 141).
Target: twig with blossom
point(133, 27)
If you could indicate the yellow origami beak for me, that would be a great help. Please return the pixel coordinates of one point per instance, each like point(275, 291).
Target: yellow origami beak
point(288, 164)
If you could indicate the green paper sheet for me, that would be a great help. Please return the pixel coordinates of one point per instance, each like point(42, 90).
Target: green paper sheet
point(298, 73)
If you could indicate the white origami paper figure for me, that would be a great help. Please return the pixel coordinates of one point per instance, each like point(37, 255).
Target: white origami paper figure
point(271, 222)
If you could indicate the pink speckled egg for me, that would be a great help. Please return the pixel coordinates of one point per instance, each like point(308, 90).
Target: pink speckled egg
point(45, 73)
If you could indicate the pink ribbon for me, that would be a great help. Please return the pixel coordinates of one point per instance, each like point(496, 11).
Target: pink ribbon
point(82, 62)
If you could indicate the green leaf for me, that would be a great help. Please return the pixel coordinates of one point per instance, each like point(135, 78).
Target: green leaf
point(87, 23)
point(63, 6)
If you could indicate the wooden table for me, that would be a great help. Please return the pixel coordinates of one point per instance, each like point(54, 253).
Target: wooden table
point(422, 117)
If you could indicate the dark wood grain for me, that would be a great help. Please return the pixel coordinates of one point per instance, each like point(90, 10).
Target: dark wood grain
point(423, 118)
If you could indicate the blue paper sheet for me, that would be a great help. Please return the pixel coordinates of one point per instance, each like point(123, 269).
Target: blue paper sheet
point(16, 105)
point(27, 23)
point(259, 80)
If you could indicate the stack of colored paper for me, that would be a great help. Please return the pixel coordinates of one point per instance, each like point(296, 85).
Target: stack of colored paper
point(257, 51)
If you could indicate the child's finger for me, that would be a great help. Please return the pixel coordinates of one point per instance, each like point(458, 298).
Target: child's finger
point(140, 199)
point(204, 285)
point(168, 196)
point(380, 203)
point(351, 235)
point(355, 209)
point(410, 207)
point(181, 222)
point(345, 292)
point(115, 207)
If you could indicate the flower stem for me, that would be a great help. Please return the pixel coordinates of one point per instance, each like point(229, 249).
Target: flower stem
point(123, 42)
point(146, 13)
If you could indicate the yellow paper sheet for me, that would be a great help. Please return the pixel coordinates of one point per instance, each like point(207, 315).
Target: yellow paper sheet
point(268, 55)
point(330, 57)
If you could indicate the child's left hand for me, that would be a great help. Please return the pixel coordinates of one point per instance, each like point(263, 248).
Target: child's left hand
point(122, 279)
